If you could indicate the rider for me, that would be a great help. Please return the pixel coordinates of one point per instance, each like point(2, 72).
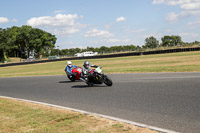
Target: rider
point(69, 67)
point(85, 71)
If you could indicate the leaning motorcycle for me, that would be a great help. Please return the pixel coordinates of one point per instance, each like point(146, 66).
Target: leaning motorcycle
point(75, 75)
point(96, 76)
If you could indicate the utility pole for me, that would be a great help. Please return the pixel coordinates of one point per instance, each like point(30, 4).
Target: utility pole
point(58, 50)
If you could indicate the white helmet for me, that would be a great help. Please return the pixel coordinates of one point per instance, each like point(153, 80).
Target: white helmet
point(69, 63)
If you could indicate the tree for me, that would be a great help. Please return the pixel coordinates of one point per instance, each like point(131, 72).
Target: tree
point(55, 52)
point(196, 42)
point(151, 42)
point(177, 40)
point(171, 41)
point(72, 52)
point(48, 42)
point(103, 49)
point(34, 39)
point(129, 48)
point(1, 44)
point(24, 38)
point(64, 52)
point(4, 46)
point(20, 41)
point(14, 50)
point(90, 49)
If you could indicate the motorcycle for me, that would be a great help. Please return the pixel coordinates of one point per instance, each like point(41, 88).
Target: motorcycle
point(96, 76)
point(75, 75)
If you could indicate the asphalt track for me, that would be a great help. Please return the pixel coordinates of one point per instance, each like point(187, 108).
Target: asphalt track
point(165, 100)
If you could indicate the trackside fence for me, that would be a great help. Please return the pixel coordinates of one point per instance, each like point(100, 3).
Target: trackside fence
point(108, 56)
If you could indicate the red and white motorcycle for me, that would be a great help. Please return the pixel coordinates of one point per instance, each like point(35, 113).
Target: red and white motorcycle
point(95, 76)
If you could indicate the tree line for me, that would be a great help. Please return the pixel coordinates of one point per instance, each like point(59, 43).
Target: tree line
point(150, 43)
point(167, 41)
point(101, 50)
point(21, 41)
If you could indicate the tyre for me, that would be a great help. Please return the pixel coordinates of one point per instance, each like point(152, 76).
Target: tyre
point(108, 81)
point(72, 78)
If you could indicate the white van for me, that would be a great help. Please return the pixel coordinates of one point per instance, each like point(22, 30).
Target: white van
point(89, 53)
point(78, 55)
point(84, 54)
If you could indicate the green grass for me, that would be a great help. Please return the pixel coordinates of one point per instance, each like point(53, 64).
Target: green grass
point(22, 117)
point(173, 62)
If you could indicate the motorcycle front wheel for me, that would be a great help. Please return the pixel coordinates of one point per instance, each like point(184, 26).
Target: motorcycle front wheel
point(108, 81)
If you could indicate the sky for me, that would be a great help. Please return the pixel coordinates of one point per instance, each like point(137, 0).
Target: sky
point(96, 23)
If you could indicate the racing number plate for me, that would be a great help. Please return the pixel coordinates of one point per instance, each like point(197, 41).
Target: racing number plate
point(98, 69)
point(79, 70)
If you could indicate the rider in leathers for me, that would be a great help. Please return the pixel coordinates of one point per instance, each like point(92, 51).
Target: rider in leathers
point(85, 71)
point(69, 67)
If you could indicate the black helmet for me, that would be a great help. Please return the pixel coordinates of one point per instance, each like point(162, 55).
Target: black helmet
point(86, 64)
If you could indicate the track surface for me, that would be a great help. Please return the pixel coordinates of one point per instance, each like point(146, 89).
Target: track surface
point(165, 100)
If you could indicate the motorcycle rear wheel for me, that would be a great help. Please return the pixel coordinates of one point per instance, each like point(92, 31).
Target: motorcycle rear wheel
point(71, 78)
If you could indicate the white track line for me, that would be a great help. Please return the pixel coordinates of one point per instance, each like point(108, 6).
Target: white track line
point(100, 115)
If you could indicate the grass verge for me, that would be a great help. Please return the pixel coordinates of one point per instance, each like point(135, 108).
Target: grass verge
point(173, 62)
point(18, 117)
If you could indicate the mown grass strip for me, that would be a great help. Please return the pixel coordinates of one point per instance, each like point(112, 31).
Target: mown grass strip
point(20, 117)
point(173, 62)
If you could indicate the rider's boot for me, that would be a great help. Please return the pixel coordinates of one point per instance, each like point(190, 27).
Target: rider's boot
point(89, 84)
